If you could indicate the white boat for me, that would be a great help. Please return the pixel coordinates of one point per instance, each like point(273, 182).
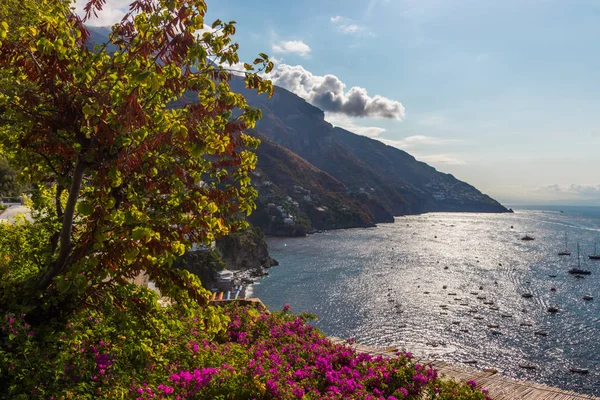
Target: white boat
point(224, 276)
point(578, 272)
point(595, 256)
point(566, 251)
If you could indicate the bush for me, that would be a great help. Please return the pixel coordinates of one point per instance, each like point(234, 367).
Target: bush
point(182, 353)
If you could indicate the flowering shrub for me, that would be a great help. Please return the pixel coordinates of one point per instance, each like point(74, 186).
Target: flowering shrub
point(173, 355)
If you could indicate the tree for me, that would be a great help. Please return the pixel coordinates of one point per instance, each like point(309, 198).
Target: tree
point(122, 181)
point(8, 179)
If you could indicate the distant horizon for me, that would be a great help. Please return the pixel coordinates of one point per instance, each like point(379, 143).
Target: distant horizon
point(503, 95)
point(511, 205)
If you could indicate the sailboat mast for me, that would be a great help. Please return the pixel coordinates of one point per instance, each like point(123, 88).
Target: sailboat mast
point(578, 259)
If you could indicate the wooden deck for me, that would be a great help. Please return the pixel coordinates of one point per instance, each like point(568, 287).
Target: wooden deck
point(499, 387)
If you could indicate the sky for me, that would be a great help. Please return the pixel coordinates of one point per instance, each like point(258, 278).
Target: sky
point(504, 95)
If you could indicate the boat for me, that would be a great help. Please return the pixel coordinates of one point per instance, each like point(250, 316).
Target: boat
point(224, 276)
point(566, 251)
point(553, 309)
point(527, 238)
point(595, 256)
point(579, 370)
point(578, 271)
point(527, 366)
point(587, 297)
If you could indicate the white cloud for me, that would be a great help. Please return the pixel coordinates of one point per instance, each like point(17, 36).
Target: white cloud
point(329, 93)
point(205, 29)
point(571, 191)
point(417, 141)
point(348, 27)
point(349, 124)
point(445, 159)
point(112, 12)
point(292, 46)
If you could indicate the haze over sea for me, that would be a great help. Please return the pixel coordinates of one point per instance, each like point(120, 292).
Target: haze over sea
point(372, 284)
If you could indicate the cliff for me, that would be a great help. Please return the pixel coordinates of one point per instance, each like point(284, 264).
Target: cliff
point(245, 250)
point(313, 176)
point(385, 180)
point(242, 250)
point(296, 198)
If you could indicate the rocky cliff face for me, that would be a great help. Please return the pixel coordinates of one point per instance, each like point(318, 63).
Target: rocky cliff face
point(245, 250)
point(385, 180)
point(296, 198)
point(312, 176)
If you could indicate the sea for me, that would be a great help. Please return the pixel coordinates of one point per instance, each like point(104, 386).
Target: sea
point(449, 286)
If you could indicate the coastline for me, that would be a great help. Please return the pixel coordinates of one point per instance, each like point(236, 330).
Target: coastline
point(395, 219)
point(498, 386)
point(512, 324)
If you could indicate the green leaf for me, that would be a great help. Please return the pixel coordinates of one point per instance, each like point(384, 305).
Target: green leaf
point(115, 176)
point(131, 255)
point(87, 110)
point(138, 233)
point(198, 150)
point(85, 208)
point(142, 76)
point(63, 285)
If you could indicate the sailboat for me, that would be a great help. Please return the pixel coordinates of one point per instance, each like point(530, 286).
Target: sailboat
point(595, 256)
point(578, 270)
point(566, 251)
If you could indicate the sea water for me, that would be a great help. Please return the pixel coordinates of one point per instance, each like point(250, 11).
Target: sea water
point(384, 286)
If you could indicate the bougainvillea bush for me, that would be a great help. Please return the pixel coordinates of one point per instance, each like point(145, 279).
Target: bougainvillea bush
point(123, 181)
point(179, 352)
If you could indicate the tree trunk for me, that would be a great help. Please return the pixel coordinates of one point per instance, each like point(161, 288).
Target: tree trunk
point(67, 226)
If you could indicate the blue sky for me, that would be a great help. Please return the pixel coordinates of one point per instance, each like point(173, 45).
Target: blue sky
point(503, 94)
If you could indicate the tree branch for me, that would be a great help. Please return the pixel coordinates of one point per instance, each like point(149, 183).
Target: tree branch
point(67, 226)
point(57, 202)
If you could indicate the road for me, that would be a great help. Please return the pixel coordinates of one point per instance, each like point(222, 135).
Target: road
point(12, 211)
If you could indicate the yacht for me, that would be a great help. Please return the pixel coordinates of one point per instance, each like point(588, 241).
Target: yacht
point(566, 251)
point(578, 271)
point(595, 256)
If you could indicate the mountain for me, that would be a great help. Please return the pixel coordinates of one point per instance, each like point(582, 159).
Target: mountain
point(386, 180)
point(314, 176)
point(295, 197)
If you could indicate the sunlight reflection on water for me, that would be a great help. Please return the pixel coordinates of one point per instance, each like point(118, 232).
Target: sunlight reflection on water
point(385, 287)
